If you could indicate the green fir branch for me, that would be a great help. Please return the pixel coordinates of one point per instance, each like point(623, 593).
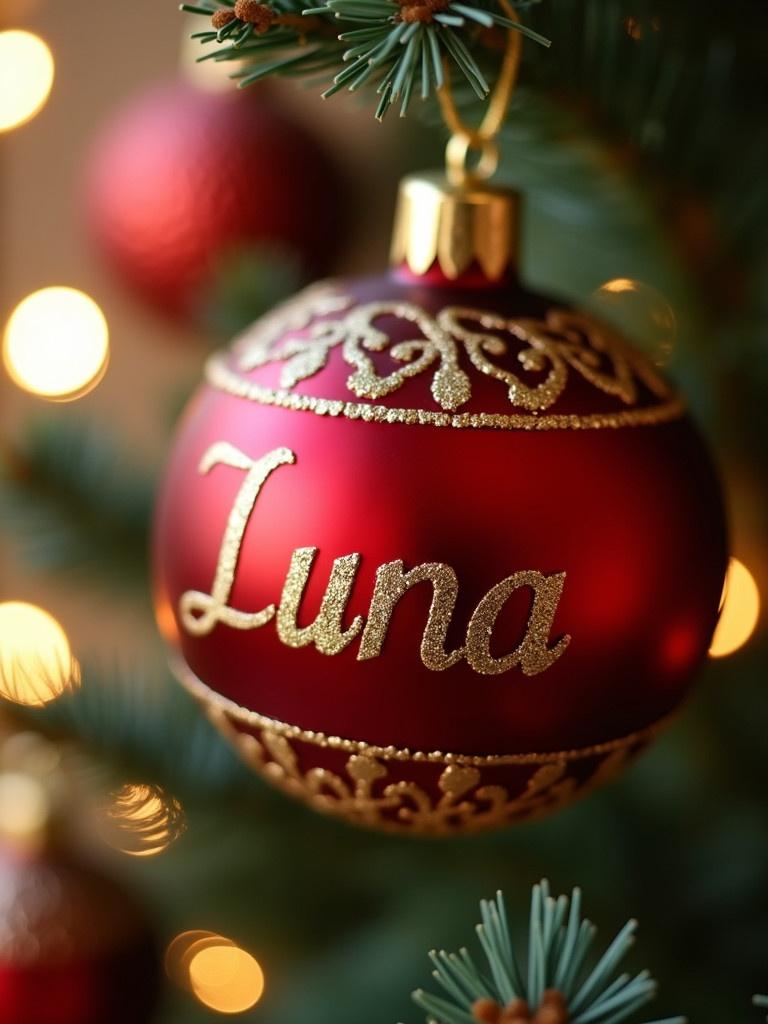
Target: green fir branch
point(364, 43)
point(73, 501)
point(141, 724)
point(559, 940)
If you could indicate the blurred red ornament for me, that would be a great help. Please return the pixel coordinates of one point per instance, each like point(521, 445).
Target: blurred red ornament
point(437, 554)
point(184, 183)
point(73, 947)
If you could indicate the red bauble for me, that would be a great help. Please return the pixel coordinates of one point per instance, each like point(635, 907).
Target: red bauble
point(73, 947)
point(183, 182)
point(538, 471)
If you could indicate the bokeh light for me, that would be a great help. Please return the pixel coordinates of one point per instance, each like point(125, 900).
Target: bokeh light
point(36, 662)
point(24, 807)
point(26, 77)
point(739, 612)
point(143, 820)
point(226, 979)
point(56, 344)
point(221, 975)
point(640, 312)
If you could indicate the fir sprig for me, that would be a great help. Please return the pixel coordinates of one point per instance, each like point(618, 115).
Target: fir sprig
point(554, 984)
point(399, 46)
point(75, 501)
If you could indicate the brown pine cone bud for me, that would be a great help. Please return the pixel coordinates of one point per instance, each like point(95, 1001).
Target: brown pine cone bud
point(486, 1011)
point(222, 18)
point(255, 13)
point(516, 1012)
point(553, 1009)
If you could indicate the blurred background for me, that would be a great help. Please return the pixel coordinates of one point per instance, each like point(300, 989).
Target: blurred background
point(144, 874)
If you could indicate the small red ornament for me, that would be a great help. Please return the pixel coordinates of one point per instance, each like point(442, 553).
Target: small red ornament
point(73, 947)
point(437, 553)
point(183, 182)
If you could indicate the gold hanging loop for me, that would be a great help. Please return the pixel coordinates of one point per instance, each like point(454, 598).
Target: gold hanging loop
point(464, 138)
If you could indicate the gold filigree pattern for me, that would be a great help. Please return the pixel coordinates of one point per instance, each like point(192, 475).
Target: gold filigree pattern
point(300, 337)
point(364, 794)
point(365, 789)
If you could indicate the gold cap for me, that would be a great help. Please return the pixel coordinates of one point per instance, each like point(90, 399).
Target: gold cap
point(455, 225)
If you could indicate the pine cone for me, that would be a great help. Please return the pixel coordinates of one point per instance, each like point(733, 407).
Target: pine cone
point(222, 18)
point(255, 13)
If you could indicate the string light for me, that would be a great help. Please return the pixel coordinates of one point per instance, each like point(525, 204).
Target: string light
point(56, 344)
point(639, 311)
point(221, 975)
point(739, 610)
point(144, 820)
point(26, 77)
point(36, 662)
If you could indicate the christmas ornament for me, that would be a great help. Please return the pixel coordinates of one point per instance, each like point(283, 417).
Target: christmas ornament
point(438, 553)
point(185, 184)
point(74, 947)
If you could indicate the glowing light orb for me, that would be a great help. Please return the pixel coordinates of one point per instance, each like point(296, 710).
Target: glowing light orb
point(144, 820)
point(221, 975)
point(36, 663)
point(56, 344)
point(24, 806)
point(740, 610)
point(640, 312)
point(226, 978)
point(26, 77)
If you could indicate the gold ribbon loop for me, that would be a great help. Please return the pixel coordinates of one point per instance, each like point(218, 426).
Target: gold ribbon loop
point(464, 138)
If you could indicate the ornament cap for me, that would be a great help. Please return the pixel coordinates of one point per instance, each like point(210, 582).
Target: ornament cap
point(455, 225)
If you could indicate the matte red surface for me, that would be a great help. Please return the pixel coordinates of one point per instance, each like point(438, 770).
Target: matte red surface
point(181, 179)
point(632, 516)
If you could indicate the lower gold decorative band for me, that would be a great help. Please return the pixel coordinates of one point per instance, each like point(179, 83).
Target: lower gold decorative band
point(222, 377)
point(252, 719)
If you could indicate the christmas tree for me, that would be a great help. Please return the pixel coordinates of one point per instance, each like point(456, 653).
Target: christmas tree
point(145, 222)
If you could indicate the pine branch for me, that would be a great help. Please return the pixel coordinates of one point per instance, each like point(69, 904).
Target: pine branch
point(74, 502)
point(554, 985)
point(399, 47)
point(142, 725)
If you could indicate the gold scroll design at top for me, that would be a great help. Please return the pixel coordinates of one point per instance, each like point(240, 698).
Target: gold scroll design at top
point(465, 803)
point(560, 343)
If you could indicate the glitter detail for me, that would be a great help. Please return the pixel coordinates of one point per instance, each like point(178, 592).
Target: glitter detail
point(462, 796)
point(533, 655)
point(200, 612)
point(252, 719)
point(301, 335)
point(326, 632)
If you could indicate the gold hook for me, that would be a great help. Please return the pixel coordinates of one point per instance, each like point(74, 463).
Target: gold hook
point(464, 139)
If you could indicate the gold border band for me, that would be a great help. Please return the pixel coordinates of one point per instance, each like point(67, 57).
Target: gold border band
point(200, 691)
point(222, 377)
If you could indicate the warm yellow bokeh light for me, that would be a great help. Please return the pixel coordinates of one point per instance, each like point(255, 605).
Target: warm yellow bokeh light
point(144, 820)
point(225, 978)
point(739, 612)
point(56, 344)
point(220, 974)
point(26, 77)
point(640, 312)
point(36, 663)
